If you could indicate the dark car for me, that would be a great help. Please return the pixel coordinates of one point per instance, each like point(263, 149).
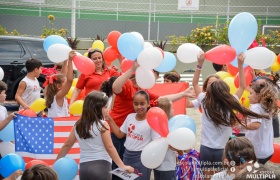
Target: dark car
point(14, 51)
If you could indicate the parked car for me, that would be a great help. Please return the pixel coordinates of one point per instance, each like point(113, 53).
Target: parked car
point(14, 51)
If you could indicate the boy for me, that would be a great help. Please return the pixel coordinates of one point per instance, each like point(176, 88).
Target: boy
point(29, 88)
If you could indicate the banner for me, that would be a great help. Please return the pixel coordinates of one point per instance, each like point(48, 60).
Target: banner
point(172, 88)
point(188, 4)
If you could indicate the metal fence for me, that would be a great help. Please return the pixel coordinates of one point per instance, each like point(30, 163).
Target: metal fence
point(155, 19)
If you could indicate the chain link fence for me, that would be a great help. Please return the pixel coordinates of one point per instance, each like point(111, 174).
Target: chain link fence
point(154, 19)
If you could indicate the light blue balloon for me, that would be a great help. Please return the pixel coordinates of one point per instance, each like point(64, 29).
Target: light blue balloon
point(66, 168)
point(53, 39)
point(242, 31)
point(10, 163)
point(7, 134)
point(168, 63)
point(129, 46)
point(180, 121)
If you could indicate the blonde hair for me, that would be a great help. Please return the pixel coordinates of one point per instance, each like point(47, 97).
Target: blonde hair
point(165, 104)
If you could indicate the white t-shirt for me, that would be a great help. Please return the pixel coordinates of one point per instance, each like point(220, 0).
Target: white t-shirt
point(3, 113)
point(195, 103)
point(31, 92)
point(138, 133)
point(169, 162)
point(222, 176)
point(262, 138)
point(57, 111)
point(92, 149)
point(212, 136)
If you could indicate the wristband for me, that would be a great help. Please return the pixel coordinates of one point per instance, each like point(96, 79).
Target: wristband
point(198, 67)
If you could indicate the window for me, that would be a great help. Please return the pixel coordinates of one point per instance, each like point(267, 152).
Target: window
point(10, 49)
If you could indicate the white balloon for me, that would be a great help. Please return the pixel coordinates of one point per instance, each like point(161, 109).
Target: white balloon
point(145, 78)
point(147, 45)
point(181, 138)
point(139, 36)
point(6, 148)
point(150, 58)
point(1, 74)
point(188, 52)
point(153, 154)
point(58, 52)
point(259, 58)
point(74, 67)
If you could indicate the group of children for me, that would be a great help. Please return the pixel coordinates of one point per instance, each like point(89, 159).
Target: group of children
point(219, 114)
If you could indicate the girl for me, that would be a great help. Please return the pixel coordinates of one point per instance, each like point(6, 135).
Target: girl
point(263, 99)
point(218, 115)
point(138, 133)
point(166, 171)
point(238, 152)
point(93, 135)
point(106, 87)
point(58, 86)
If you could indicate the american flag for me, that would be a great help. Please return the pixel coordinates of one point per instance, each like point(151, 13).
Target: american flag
point(41, 138)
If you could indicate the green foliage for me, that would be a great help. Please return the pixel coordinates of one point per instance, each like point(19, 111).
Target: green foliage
point(52, 31)
point(99, 37)
point(3, 31)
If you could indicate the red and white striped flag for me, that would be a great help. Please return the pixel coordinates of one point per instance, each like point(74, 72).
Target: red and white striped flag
point(41, 138)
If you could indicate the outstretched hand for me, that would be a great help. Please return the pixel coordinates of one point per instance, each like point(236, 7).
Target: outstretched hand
point(241, 58)
point(189, 92)
point(201, 58)
point(135, 66)
point(72, 54)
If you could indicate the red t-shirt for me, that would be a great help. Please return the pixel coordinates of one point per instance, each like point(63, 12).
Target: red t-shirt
point(94, 81)
point(123, 104)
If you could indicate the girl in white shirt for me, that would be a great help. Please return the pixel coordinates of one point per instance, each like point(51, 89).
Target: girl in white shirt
point(219, 109)
point(263, 99)
point(94, 137)
point(138, 134)
point(167, 169)
point(57, 86)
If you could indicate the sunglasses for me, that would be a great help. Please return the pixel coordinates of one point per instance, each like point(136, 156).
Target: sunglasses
point(95, 50)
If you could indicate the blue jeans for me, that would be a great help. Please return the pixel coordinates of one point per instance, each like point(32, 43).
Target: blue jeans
point(119, 145)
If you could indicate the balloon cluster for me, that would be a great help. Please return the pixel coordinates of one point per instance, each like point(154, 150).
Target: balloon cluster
point(178, 132)
point(66, 168)
point(242, 32)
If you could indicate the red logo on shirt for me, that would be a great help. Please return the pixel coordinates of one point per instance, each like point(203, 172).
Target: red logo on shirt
point(133, 135)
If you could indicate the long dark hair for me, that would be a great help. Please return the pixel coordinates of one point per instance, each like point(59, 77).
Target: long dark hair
point(92, 113)
point(220, 105)
point(99, 51)
point(106, 86)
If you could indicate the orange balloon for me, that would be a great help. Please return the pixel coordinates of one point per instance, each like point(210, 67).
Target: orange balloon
point(34, 162)
point(29, 113)
point(158, 121)
point(113, 37)
point(278, 58)
point(248, 77)
point(84, 64)
point(126, 65)
point(110, 54)
point(21, 111)
point(222, 54)
point(276, 155)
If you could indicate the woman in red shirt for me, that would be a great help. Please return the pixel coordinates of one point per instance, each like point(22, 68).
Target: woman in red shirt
point(93, 81)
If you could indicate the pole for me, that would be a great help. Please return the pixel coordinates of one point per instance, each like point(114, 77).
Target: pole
point(228, 4)
point(149, 23)
point(73, 19)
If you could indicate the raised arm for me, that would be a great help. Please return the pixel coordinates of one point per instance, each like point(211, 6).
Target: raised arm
point(200, 61)
point(121, 80)
point(69, 78)
point(187, 93)
point(242, 83)
point(75, 95)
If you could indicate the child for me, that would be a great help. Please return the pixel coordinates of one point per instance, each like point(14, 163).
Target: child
point(171, 77)
point(106, 87)
point(238, 152)
point(166, 171)
point(58, 86)
point(39, 172)
point(260, 131)
point(218, 115)
point(138, 133)
point(29, 88)
point(93, 135)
